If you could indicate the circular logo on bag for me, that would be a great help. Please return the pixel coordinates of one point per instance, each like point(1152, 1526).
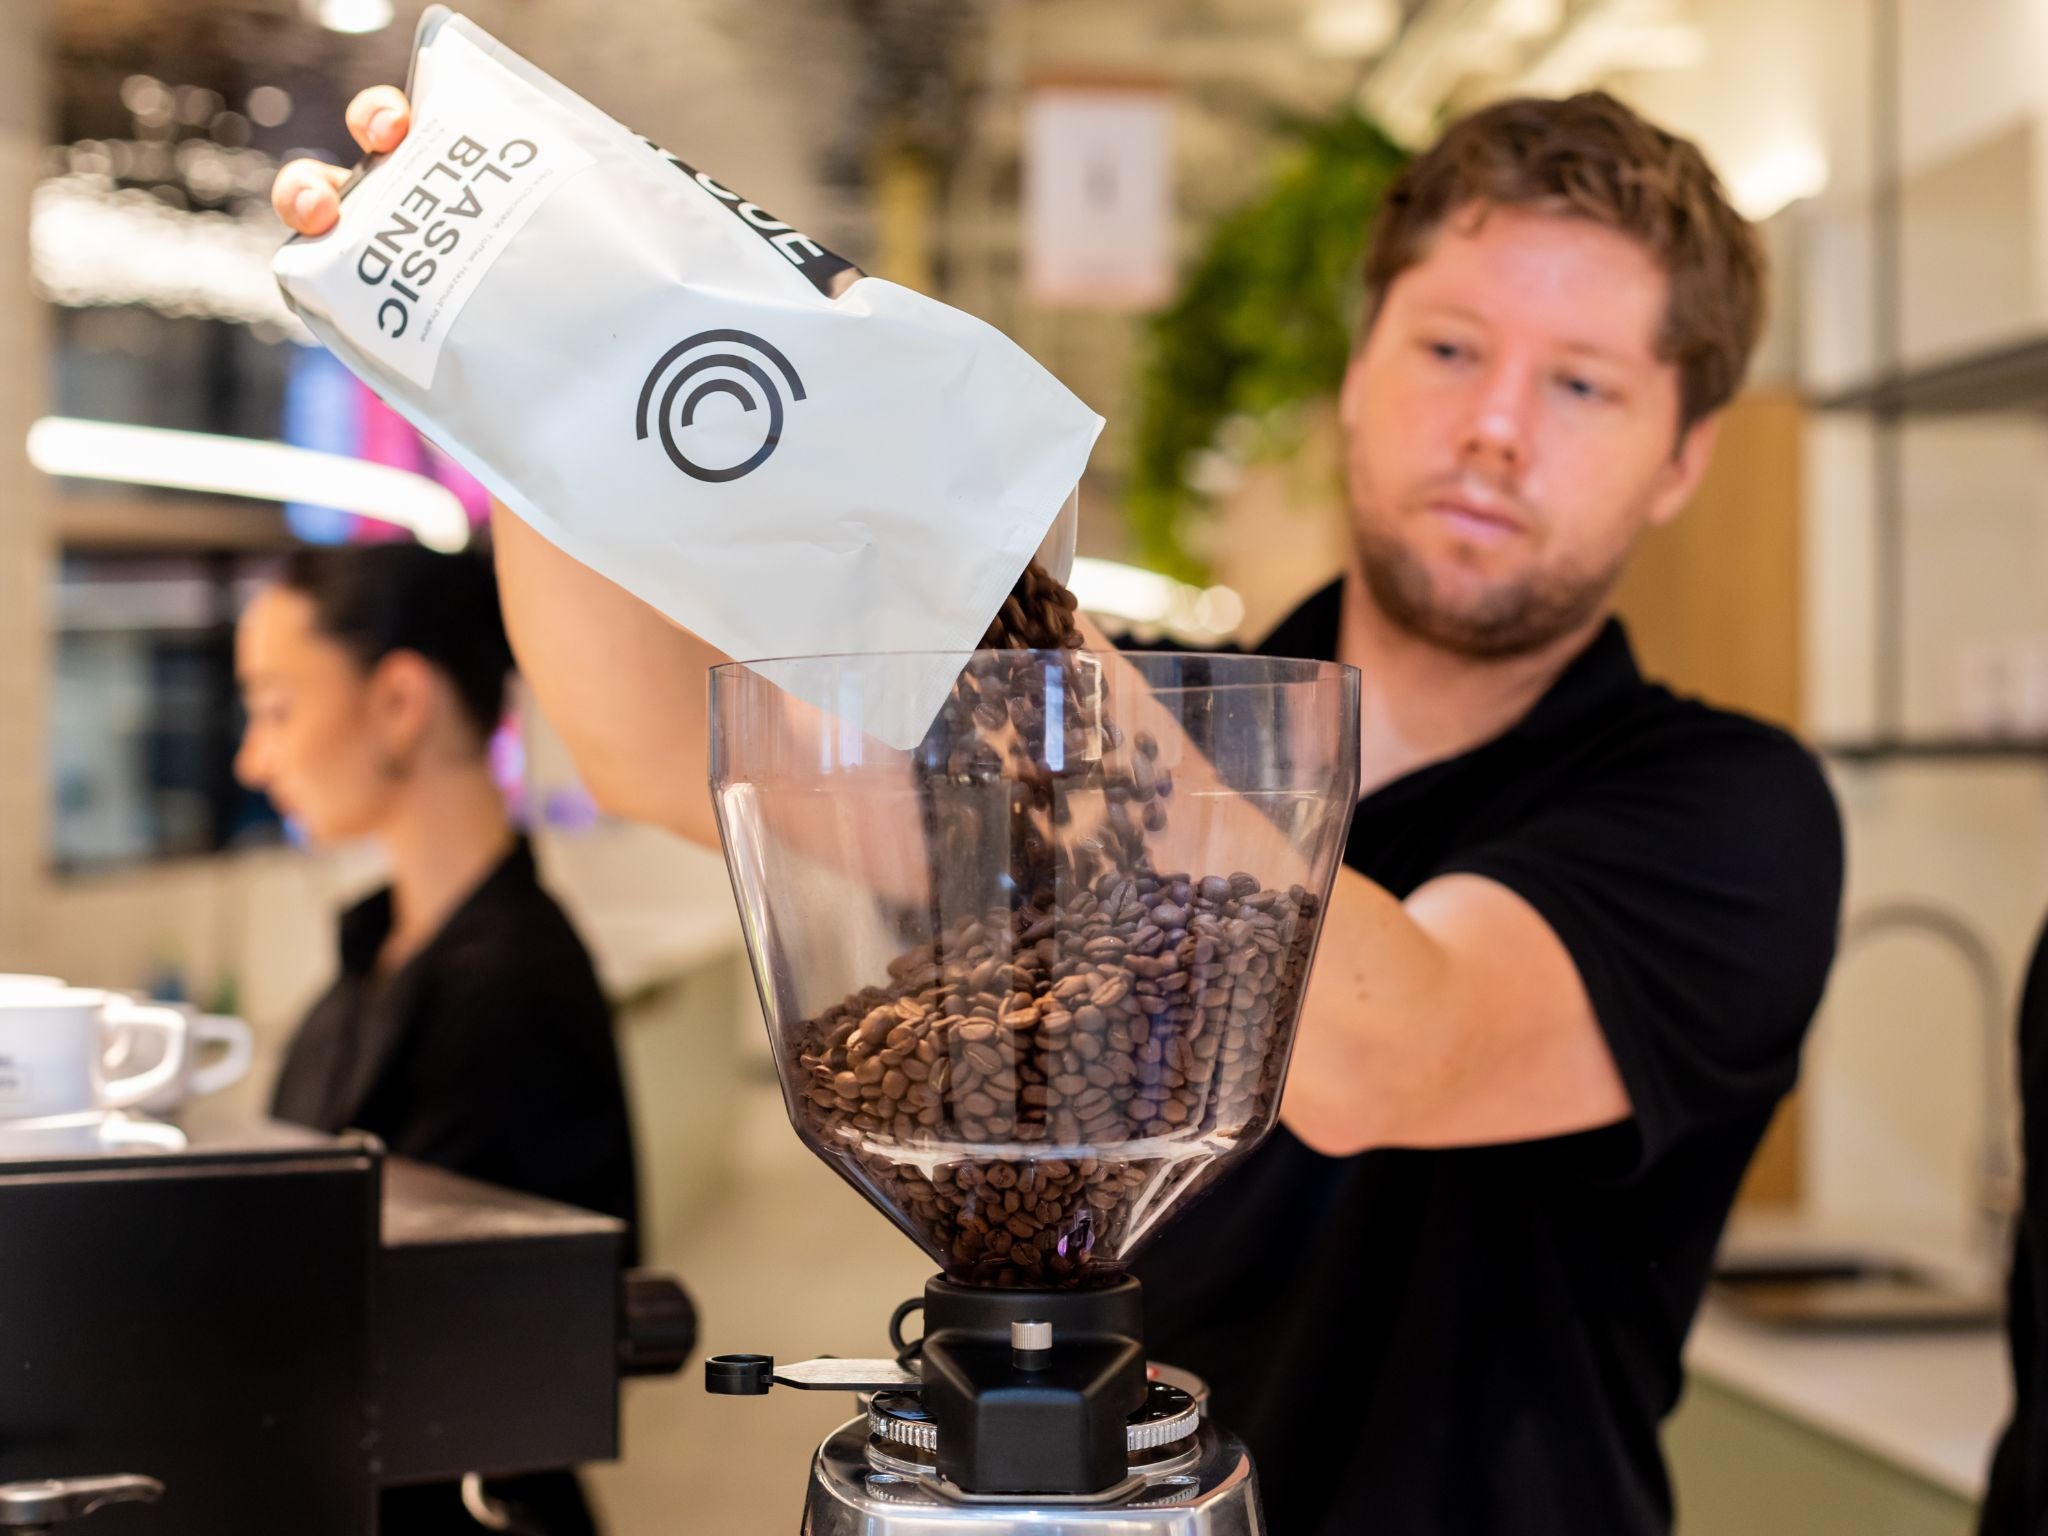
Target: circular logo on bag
point(722, 371)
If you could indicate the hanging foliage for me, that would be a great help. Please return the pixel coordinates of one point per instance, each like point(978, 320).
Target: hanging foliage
point(1262, 327)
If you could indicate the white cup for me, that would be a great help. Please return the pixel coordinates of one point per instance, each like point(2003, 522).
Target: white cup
point(52, 1045)
point(131, 1049)
point(20, 981)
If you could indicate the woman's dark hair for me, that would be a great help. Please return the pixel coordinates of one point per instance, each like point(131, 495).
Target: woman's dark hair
point(378, 598)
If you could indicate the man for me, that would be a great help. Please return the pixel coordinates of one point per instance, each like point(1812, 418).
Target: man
point(1564, 978)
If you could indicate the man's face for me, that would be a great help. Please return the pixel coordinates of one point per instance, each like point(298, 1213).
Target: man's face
point(1511, 430)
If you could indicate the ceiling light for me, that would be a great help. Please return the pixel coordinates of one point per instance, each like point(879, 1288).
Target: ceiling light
point(354, 16)
point(1114, 590)
point(241, 466)
point(270, 107)
point(1352, 29)
point(197, 105)
point(1526, 20)
point(1771, 181)
point(93, 244)
point(149, 99)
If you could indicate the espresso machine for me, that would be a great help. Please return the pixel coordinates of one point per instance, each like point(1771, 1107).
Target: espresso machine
point(1031, 982)
point(249, 1326)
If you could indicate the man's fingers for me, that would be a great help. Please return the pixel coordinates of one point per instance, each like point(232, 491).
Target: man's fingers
point(305, 196)
point(306, 193)
point(379, 118)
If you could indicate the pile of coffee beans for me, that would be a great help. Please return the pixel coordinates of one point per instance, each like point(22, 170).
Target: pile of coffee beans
point(1105, 1052)
point(1034, 1088)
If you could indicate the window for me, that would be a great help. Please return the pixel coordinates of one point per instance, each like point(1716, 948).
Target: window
point(144, 714)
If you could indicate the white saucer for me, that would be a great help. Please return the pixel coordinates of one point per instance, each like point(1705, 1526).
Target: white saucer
point(91, 1130)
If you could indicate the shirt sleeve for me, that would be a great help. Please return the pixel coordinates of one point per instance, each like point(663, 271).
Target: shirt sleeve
point(1697, 887)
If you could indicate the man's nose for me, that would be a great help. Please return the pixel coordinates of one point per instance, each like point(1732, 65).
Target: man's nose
point(1497, 435)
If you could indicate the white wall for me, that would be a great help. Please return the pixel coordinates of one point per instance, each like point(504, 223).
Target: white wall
point(1896, 1067)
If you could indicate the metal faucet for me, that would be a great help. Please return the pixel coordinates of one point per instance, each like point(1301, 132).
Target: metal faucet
point(1997, 1171)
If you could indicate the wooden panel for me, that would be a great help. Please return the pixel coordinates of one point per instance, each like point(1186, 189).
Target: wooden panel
point(1713, 605)
point(1712, 601)
point(1773, 1178)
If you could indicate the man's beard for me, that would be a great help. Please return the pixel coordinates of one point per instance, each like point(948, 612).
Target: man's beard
point(1513, 619)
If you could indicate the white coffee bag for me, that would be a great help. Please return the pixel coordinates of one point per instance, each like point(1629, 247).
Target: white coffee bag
point(678, 389)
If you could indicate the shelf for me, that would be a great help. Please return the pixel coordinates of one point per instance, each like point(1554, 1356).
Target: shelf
point(165, 522)
point(2013, 377)
point(1935, 747)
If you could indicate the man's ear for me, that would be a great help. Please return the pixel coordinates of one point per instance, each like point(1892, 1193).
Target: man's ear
point(1683, 471)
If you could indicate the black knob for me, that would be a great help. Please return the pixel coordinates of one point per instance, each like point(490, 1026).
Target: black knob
point(37, 1506)
point(739, 1375)
point(657, 1324)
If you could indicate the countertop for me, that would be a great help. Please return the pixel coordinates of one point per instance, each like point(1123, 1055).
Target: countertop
point(1931, 1403)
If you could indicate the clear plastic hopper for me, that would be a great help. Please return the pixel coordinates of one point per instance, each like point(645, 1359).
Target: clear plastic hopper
point(1032, 984)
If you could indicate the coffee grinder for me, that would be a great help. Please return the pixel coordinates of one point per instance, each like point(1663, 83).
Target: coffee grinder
point(1031, 983)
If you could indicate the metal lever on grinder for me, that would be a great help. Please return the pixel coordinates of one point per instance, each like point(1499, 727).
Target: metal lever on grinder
point(753, 1375)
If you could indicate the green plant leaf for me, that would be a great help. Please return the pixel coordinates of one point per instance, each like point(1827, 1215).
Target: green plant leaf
point(1262, 323)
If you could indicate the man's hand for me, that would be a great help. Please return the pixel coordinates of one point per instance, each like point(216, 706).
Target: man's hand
point(307, 193)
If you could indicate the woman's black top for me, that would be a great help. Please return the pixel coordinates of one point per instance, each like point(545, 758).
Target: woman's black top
point(488, 1053)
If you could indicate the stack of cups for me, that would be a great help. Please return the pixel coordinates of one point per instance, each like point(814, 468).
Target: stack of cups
point(72, 1056)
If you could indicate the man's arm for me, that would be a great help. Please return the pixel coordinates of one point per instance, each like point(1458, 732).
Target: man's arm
point(627, 690)
point(1651, 948)
point(1454, 1018)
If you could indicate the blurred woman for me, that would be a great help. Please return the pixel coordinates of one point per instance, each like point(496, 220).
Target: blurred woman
point(466, 1027)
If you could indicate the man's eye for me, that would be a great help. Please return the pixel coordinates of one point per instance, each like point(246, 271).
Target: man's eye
point(1444, 351)
point(1580, 386)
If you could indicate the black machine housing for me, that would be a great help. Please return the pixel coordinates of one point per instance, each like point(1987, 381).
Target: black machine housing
point(1010, 1423)
point(275, 1324)
point(1029, 1393)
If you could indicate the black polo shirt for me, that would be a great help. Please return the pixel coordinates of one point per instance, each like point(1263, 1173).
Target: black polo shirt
point(1483, 1341)
point(489, 1052)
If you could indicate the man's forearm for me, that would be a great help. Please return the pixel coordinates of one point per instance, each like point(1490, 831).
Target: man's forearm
point(629, 694)
point(626, 689)
point(1372, 1045)
point(1454, 1018)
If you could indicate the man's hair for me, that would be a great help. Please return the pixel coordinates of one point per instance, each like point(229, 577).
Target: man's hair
point(1590, 157)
